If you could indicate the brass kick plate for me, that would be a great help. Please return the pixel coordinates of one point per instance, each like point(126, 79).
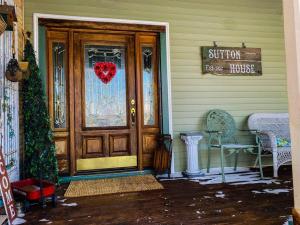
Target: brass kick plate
point(106, 162)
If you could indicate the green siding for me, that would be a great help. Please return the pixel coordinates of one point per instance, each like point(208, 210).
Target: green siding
point(195, 23)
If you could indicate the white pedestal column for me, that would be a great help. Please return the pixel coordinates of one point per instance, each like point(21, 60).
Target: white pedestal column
point(191, 141)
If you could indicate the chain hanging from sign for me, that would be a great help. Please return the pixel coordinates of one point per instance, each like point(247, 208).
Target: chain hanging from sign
point(231, 61)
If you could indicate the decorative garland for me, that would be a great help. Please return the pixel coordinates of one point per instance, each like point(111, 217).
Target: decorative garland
point(105, 71)
point(7, 109)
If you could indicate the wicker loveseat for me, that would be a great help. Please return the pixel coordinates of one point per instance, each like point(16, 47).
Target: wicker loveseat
point(272, 128)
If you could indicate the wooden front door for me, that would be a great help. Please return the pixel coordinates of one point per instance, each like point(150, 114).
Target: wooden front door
point(103, 98)
point(105, 101)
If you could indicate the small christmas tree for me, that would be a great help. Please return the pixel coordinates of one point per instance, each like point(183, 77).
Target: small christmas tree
point(40, 156)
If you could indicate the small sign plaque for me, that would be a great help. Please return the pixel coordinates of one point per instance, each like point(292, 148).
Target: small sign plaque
point(231, 61)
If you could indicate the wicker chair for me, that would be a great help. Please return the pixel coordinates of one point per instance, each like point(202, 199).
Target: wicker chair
point(221, 129)
point(271, 127)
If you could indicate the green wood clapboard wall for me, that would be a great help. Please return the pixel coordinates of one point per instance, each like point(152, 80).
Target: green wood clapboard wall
point(195, 23)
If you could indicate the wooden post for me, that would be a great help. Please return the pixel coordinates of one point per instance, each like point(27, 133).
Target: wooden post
point(291, 11)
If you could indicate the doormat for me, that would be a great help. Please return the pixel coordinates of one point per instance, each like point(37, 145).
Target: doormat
point(112, 185)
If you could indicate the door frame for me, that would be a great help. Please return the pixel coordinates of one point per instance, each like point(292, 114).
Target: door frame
point(37, 16)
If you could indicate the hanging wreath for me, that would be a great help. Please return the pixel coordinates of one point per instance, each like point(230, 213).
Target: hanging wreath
point(105, 71)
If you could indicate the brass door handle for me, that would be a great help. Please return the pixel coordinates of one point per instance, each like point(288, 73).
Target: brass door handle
point(132, 113)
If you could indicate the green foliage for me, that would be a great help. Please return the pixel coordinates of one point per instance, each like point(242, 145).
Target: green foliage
point(40, 155)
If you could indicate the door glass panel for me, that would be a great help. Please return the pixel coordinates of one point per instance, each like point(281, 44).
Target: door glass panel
point(59, 87)
point(148, 86)
point(105, 93)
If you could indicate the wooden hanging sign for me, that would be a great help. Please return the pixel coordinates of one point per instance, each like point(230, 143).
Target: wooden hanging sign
point(6, 192)
point(231, 61)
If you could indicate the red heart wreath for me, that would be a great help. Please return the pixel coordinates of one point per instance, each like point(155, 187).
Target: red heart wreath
point(105, 71)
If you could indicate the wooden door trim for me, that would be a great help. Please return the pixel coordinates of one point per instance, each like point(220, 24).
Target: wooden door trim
point(139, 102)
point(75, 24)
point(72, 105)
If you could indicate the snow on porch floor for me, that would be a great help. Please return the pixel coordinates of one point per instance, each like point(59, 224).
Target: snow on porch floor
point(183, 201)
point(241, 176)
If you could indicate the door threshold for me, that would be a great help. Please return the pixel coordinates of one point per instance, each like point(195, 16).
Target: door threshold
point(68, 179)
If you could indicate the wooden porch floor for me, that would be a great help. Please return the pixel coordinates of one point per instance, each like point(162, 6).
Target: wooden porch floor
point(181, 202)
